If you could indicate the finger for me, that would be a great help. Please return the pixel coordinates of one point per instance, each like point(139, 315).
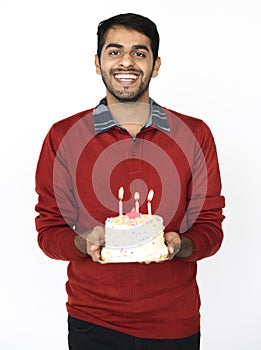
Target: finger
point(95, 256)
point(93, 250)
point(173, 242)
point(171, 248)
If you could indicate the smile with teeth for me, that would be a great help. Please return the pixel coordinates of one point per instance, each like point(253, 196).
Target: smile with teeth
point(126, 76)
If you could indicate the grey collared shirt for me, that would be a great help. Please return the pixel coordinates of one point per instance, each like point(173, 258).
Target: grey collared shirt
point(103, 120)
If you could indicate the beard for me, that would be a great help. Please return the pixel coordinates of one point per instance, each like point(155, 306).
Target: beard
point(125, 95)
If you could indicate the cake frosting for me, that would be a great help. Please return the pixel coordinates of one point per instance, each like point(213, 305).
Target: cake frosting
point(134, 237)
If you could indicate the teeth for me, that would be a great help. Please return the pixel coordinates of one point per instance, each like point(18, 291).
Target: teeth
point(126, 76)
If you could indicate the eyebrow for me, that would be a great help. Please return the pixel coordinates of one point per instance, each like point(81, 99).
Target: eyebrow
point(136, 47)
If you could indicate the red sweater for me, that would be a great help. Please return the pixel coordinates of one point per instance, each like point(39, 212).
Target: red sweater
point(77, 179)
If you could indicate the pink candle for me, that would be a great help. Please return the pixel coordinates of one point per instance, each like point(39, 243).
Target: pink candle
point(120, 196)
point(149, 198)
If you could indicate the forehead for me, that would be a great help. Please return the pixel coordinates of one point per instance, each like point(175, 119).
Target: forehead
point(126, 37)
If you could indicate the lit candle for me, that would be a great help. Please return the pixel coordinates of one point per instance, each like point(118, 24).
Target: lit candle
point(150, 196)
point(120, 196)
point(137, 197)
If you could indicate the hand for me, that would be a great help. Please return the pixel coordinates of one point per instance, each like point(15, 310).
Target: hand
point(178, 245)
point(91, 242)
point(95, 241)
point(173, 242)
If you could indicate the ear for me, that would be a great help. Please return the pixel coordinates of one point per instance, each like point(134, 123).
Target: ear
point(97, 64)
point(156, 67)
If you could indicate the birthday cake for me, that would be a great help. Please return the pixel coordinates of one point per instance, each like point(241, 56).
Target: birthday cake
point(134, 237)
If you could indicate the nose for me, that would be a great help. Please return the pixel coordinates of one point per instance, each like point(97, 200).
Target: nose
point(126, 60)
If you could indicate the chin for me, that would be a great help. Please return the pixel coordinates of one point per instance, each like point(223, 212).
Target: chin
point(128, 98)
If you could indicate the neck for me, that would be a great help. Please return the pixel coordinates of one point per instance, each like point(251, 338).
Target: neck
point(131, 116)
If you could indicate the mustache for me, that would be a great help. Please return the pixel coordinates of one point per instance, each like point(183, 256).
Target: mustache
point(129, 70)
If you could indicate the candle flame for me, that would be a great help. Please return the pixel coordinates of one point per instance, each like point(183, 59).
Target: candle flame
point(120, 193)
point(150, 195)
point(136, 196)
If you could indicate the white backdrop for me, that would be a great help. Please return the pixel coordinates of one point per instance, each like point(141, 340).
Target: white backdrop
point(211, 58)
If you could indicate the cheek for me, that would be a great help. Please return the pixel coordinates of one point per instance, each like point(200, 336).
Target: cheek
point(146, 68)
point(108, 62)
point(106, 67)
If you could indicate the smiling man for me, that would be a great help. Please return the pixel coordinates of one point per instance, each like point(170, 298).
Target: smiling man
point(128, 139)
point(126, 64)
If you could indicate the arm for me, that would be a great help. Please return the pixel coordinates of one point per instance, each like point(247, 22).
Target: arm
point(201, 234)
point(56, 235)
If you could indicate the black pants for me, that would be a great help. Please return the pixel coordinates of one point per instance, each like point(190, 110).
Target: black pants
point(88, 336)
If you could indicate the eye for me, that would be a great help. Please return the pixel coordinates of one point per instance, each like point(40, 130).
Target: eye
point(139, 54)
point(114, 53)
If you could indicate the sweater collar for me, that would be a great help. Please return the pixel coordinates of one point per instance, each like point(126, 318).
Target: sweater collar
point(103, 120)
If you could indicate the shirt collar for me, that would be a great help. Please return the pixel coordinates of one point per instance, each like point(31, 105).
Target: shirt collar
point(103, 120)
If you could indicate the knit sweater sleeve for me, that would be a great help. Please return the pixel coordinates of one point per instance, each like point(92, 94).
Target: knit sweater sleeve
point(205, 203)
point(55, 229)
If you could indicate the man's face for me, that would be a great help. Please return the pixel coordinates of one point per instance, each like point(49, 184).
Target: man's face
point(126, 65)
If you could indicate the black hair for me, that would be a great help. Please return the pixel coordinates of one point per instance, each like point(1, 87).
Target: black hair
point(132, 21)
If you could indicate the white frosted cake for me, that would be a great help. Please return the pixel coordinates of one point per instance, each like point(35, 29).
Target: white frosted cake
point(134, 237)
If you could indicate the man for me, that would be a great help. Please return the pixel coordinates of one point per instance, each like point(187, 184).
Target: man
point(129, 140)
